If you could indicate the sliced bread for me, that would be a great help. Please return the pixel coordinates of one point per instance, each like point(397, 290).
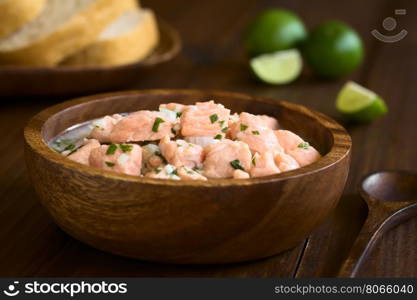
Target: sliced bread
point(128, 39)
point(15, 13)
point(61, 29)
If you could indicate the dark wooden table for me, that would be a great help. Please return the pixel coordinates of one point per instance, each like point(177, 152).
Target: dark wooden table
point(32, 245)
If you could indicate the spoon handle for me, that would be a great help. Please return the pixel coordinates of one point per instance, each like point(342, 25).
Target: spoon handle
point(380, 219)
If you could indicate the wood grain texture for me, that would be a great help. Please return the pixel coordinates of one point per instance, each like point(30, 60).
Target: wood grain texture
point(212, 57)
point(209, 222)
point(391, 197)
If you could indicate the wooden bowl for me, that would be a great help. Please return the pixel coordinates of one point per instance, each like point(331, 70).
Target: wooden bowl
point(18, 81)
point(218, 221)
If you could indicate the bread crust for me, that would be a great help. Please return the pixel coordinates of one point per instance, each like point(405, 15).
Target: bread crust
point(130, 47)
point(80, 31)
point(15, 13)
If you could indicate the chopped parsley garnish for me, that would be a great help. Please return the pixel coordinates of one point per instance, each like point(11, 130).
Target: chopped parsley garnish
point(224, 130)
point(110, 164)
point(70, 147)
point(158, 170)
point(256, 132)
point(126, 148)
point(214, 118)
point(243, 127)
point(236, 165)
point(179, 114)
point(173, 131)
point(175, 172)
point(112, 149)
point(221, 123)
point(218, 137)
point(155, 126)
point(303, 145)
point(254, 161)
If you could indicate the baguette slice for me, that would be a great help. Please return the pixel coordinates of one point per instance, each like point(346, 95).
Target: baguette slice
point(15, 13)
point(128, 39)
point(62, 28)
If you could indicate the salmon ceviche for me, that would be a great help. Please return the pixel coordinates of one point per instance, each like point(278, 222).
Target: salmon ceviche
point(187, 142)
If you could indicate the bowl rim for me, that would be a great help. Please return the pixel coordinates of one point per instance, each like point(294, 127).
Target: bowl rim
point(340, 149)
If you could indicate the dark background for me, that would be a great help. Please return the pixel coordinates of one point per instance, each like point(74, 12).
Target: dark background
point(213, 58)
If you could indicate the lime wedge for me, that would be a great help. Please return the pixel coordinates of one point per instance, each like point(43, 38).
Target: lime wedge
point(279, 67)
point(360, 104)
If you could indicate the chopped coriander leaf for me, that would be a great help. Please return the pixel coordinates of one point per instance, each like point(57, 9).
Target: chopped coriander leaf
point(173, 131)
point(221, 123)
point(155, 126)
point(243, 127)
point(256, 132)
point(218, 137)
point(158, 170)
point(254, 161)
point(236, 165)
point(179, 114)
point(175, 172)
point(110, 164)
point(70, 147)
point(303, 145)
point(126, 148)
point(112, 149)
point(224, 130)
point(214, 118)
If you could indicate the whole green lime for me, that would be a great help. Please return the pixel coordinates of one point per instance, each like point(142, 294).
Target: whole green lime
point(333, 49)
point(274, 30)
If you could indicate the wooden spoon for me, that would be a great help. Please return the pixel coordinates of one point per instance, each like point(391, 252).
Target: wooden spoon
point(391, 197)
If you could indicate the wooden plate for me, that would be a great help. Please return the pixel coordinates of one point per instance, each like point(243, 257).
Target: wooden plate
point(56, 81)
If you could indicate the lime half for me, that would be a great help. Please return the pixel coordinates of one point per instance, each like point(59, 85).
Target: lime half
point(279, 67)
point(360, 104)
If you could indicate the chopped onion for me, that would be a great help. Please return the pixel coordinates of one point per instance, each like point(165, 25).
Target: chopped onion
point(203, 141)
point(167, 114)
point(169, 169)
point(182, 143)
point(99, 123)
point(123, 158)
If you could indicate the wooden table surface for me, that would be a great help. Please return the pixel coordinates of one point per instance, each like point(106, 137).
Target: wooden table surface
point(212, 57)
